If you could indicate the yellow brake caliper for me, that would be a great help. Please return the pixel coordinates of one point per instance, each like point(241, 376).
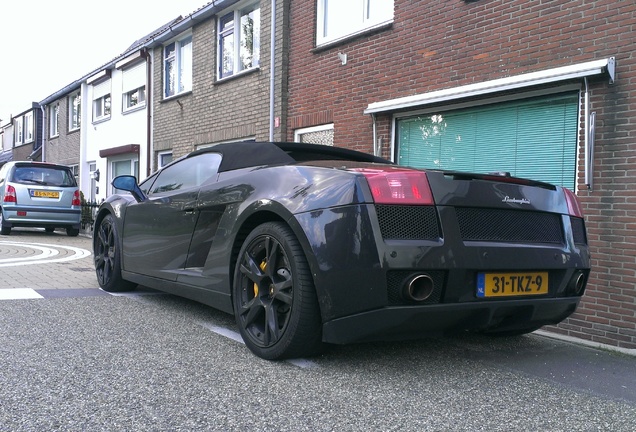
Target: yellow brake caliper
point(262, 266)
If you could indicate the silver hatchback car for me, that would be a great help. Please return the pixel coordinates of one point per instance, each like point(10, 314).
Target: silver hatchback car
point(36, 194)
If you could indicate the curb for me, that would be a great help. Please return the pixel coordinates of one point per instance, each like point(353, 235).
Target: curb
point(578, 341)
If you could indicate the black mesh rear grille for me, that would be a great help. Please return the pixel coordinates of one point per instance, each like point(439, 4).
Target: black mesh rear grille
point(408, 222)
point(496, 225)
point(578, 230)
point(396, 279)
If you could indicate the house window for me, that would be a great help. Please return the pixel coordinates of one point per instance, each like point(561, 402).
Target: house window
point(322, 134)
point(74, 111)
point(123, 167)
point(164, 158)
point(19, 130)
point(134, 87)
point(239, 41)
point(101, 108)
point(532, 137)
point(54, 111)
point(338, 19)
point(101, 101)
point(135, 98)
point(28, 127)
point(178, 67)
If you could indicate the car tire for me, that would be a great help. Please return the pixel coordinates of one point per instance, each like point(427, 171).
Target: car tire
point(4, 230)
point(72, 232)
point(108, 257)
point(275, 306)
point(49, 229)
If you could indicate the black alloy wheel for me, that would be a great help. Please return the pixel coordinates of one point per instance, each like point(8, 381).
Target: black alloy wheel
point(107, 257)
point(274, 297)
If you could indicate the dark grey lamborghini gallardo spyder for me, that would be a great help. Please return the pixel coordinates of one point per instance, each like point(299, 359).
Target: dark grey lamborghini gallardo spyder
point(309, 245)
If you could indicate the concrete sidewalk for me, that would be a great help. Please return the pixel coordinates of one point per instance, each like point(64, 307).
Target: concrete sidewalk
point(32, 258)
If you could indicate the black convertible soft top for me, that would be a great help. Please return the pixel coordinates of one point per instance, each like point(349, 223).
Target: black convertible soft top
point(246, 154)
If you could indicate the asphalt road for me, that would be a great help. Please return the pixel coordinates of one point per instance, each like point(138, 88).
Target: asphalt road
point(79, 359)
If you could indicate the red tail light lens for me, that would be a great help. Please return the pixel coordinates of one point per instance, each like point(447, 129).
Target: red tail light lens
point(10, 195)
point(574, 205)
point(399, 186)
point(76, 199)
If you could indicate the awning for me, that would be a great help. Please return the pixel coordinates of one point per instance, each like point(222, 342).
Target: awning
point(115, 151)
point(580, 70)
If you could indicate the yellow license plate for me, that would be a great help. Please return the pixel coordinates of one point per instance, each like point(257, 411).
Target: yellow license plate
point(511, 284)
point(46, 194)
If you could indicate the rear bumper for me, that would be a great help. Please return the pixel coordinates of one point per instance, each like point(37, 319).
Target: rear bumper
point(21, 216)
point(411, 322)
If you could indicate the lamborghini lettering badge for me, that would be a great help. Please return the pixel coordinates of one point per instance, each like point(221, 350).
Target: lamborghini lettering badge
point(507, 199)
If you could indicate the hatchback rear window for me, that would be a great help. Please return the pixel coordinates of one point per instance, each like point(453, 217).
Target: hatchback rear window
point(45, 176)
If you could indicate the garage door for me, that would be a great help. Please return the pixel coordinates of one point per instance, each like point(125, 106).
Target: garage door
point(534, 138)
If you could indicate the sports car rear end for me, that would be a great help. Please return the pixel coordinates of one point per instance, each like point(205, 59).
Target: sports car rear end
point(429, 252)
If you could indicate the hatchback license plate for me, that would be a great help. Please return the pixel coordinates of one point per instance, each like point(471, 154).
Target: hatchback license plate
point(45, 194)
point(511, 284)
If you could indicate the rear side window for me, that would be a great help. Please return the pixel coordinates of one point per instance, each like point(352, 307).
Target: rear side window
point(45, 176)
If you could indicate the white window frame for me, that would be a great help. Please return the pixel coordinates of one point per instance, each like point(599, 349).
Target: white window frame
point(181, 60)
point(127, 99)
point(356, 16)
point(74, 112)
point(299, 132)
point(28, 127)
point(104, 104)
point(19, 130)
point(160, 158)
point(233, 34)
point(134, 169)
point(54, 113)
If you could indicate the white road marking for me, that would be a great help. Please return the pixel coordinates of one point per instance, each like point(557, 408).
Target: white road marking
point(18, 294)
point(48, 251)
point(235, 336)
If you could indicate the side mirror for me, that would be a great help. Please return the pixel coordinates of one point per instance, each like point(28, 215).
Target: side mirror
point(128, 183)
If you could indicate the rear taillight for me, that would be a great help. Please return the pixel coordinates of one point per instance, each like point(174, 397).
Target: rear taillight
point(10, 195)
point(574, 205)
point(398, 186)
point(76, 199)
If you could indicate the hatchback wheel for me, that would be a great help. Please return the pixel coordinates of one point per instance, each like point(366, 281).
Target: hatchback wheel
point(4, 230)
point(275, 302)
point(72, 232)
point(108, 257)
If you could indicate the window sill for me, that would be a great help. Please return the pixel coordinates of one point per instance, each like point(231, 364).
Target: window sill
point(238, 75)
point(176, 96)
point(101, 120)
point(353, 36)
point(138, 107)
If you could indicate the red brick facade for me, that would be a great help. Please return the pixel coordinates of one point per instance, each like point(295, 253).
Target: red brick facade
point(440, 44)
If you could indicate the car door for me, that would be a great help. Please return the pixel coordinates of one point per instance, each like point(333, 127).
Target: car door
point(158, 231)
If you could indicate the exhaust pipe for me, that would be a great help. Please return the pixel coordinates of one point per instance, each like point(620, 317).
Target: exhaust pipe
point(577, 283)
point(419, 288)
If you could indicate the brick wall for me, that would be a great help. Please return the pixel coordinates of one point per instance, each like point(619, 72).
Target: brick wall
point(215, 111)
point(441, 44)
point(65, 148)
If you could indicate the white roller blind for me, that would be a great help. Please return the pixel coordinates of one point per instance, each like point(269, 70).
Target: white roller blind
point(101, 90)
point(134, 77)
